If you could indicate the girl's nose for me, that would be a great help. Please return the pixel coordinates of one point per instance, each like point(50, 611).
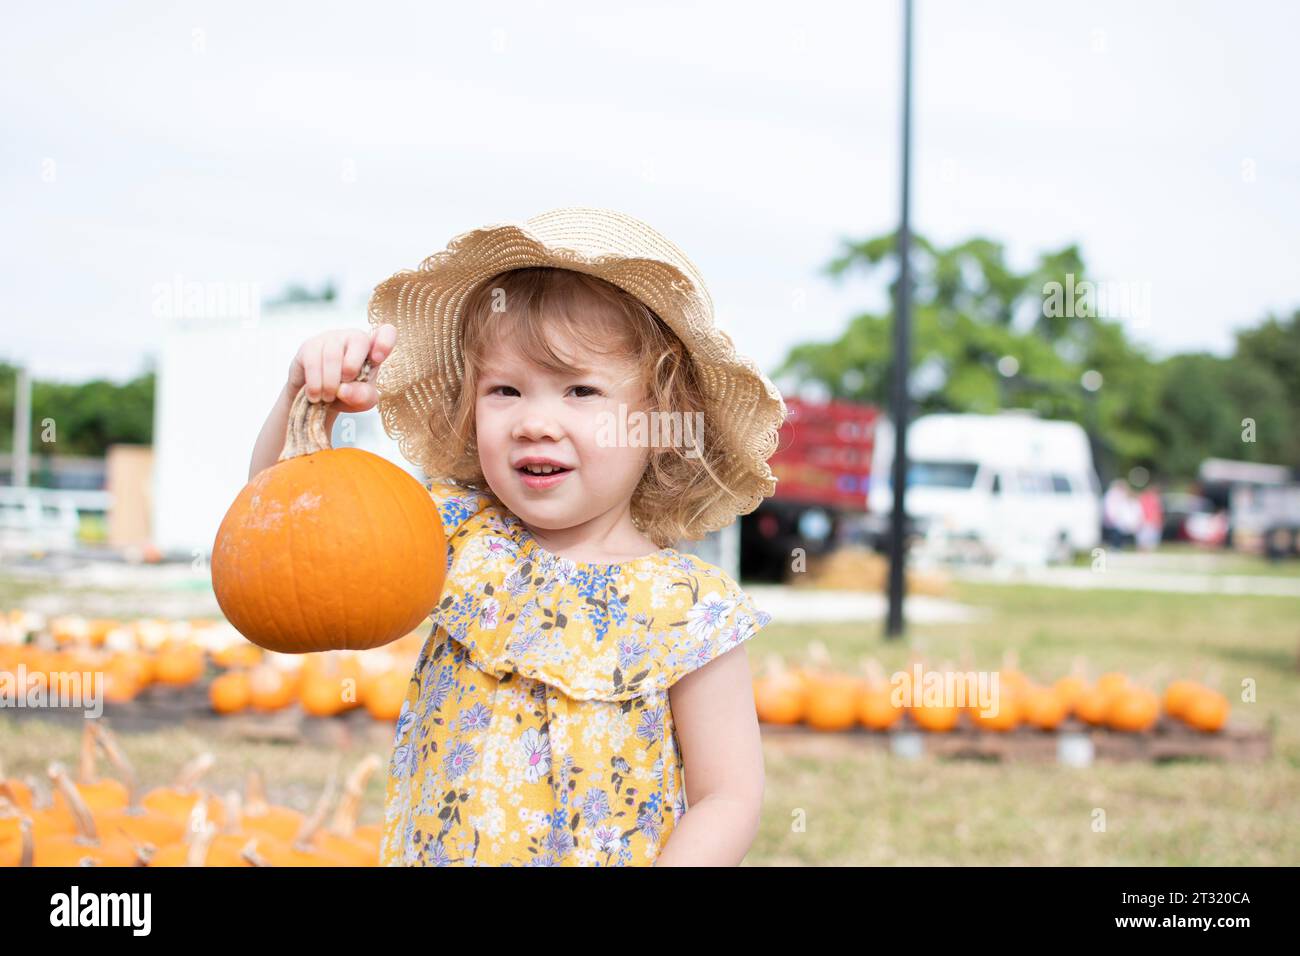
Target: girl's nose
point(535, 424)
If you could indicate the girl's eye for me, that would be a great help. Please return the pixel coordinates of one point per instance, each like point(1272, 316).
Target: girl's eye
point(587, 390)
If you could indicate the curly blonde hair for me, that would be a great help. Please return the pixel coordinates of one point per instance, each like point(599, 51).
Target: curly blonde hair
point(522, 307)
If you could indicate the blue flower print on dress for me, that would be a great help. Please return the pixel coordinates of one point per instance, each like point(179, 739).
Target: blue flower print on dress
point(604, 606)
point(458, 760)
point(476, 717)
point(595, 806)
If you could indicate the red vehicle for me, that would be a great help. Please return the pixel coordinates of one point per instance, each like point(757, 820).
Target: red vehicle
point(824, 454)
point(822, 464)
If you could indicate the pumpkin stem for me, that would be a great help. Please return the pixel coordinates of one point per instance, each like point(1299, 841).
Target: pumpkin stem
point(819, 656)
point(198, 820)
point(307, 832)
point(234, 813)
point(197, 854)
point(306, 432)
point(81, 814)
point(42, 799)
point(251, 856)
point(144, 852)
point(349, 808)
point(86, 766)
point(255, 790)
point(100, 734)
point(25, 826)
point(191, 773)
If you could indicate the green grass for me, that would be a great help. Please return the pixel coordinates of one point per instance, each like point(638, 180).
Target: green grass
point(864, 806)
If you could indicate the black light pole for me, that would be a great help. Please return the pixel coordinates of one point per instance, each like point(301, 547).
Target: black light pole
point(902, 354)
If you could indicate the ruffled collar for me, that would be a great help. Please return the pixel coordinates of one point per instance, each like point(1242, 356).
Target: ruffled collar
point(603, 631)
point(529, 546)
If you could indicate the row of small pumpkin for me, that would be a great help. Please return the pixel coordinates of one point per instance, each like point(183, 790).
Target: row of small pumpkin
point(820, 697)
point(110, 821)
point(135, 655)
point(325, 684)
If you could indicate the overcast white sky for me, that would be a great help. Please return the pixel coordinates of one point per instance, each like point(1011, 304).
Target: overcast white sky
point(240, 142)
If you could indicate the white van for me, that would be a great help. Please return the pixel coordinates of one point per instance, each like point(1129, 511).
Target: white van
point(1005, 487)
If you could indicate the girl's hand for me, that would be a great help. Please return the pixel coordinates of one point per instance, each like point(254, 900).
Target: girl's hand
point(329, 363)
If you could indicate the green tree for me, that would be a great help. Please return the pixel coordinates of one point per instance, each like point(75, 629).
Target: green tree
point(87, 417)
point(971, 309)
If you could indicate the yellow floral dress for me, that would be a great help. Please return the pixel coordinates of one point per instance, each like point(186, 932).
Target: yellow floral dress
point(537, 728)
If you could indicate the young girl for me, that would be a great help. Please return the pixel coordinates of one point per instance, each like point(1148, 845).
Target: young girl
point(583, 697)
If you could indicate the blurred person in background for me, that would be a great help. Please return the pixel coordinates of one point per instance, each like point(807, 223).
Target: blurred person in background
point(1152, 518)
point(1121, 515)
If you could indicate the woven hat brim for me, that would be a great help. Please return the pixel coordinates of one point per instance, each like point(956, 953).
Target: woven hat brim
point(419, 383)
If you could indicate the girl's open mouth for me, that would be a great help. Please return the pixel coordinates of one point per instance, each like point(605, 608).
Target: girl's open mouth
point(542, 481)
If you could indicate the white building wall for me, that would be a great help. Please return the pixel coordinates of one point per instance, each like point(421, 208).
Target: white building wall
point(217, 380)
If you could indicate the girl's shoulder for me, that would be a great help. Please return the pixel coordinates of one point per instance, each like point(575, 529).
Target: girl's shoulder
point(461, 508)
point(457, 502)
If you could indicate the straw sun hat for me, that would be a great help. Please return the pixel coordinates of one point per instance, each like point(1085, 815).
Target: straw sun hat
point(420, 381)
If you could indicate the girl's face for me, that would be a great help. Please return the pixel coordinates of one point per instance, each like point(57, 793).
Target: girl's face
point(525, 412)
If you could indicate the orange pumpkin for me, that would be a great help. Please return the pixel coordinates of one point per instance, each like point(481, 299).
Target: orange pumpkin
point(876, 709)
point(228, 844)
point(204, 845)
point(262, 818)
point(176, 802)
point(17, 844)
point(99, 793)
point(1208, 711)
point(780, 695)
point(230, 693)
point(238, 654)
point(136, 666)
point(1068, 689)
point(386, 693)
point(66, 849)
point(47, 817)
point(307, 847)
point(832, 702)
point(270, 688)
point(196, 851)
point(935, 718)
point(1045, 707)
point(16, 791)
point(1005, 712)
point(137, 820)
point(310, 541)
point(341, 838)
point(120, 683)
point(325, 691)
point(1178, 695)
point(1091, 706)
point(178, 665)
point(1112, 681)
point(1133, 709)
